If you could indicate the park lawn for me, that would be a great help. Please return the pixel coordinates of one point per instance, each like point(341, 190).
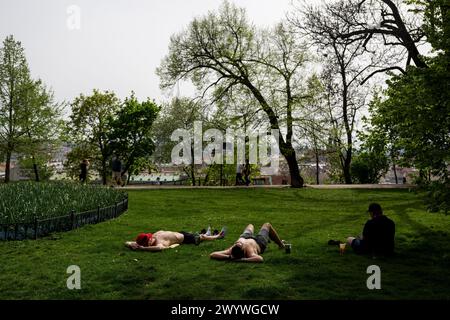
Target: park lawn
point(307, 218)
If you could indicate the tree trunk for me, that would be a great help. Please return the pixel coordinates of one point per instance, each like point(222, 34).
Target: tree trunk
point(193, 174)
point(104, 171)
point(192, 165)
point(348, 129)
point(8, 166)
point(205, 180)
point(35, 168)
point(289, 153)
point(317, 167)
point(395, 172)
point(285, 146)
point(296, 179)
point(346, 167)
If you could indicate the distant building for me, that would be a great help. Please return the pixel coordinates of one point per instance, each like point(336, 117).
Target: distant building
point(164, 173)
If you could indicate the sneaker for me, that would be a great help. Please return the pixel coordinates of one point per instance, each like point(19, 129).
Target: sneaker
point(208, 232)
point(223, 233)
point(334, 242)
point(215, 232)
point(203, 231)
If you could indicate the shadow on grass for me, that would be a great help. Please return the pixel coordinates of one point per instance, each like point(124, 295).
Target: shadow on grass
point(424, 243)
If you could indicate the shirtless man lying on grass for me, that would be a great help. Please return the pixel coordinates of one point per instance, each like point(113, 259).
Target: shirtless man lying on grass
point(248, 248)
point(161, 240)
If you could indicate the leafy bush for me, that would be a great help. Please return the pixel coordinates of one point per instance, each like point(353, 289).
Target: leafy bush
point(438, 196)
point(22, 201)
point(369, 167)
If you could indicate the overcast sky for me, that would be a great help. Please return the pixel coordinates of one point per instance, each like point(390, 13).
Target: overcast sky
point(118, 45)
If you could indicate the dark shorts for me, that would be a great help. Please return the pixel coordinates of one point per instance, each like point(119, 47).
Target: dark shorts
point(262, 238)
point(358, 246)
point(190, 238)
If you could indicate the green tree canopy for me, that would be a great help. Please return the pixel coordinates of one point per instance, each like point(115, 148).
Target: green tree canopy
point(415, 113)
point(90, 126)
point(29, 117)
point(131, 133)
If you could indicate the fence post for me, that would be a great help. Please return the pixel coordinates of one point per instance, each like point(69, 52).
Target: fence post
point(35, 227)
point(72, 217)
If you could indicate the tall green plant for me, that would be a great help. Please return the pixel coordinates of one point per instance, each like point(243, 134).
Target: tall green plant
point(14, 82)
point(23, 201)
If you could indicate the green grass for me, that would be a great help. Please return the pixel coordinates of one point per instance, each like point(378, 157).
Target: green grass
point(307, 218)
point(22, 201)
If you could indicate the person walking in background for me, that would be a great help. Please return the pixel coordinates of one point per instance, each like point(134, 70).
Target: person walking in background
point(83, 170)
point(117, 171)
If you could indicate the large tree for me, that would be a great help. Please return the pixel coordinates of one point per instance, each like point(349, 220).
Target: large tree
point(41, 124)
point(180, 113)
point(131, 133)
point(415, 116)
point(223, 50)
point(29, 116)
point(415, 110)
point(313, 127)
point(346, 65)
point(90, 126)
point(14, 82)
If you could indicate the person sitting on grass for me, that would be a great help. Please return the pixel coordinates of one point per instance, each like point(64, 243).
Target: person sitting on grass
point(162, 240)
point(248, 248)
point(378, 234)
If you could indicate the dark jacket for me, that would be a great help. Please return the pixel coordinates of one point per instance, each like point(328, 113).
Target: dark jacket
point(378, 235)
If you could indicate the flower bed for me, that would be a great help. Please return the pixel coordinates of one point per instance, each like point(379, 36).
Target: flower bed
point(31, 210)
